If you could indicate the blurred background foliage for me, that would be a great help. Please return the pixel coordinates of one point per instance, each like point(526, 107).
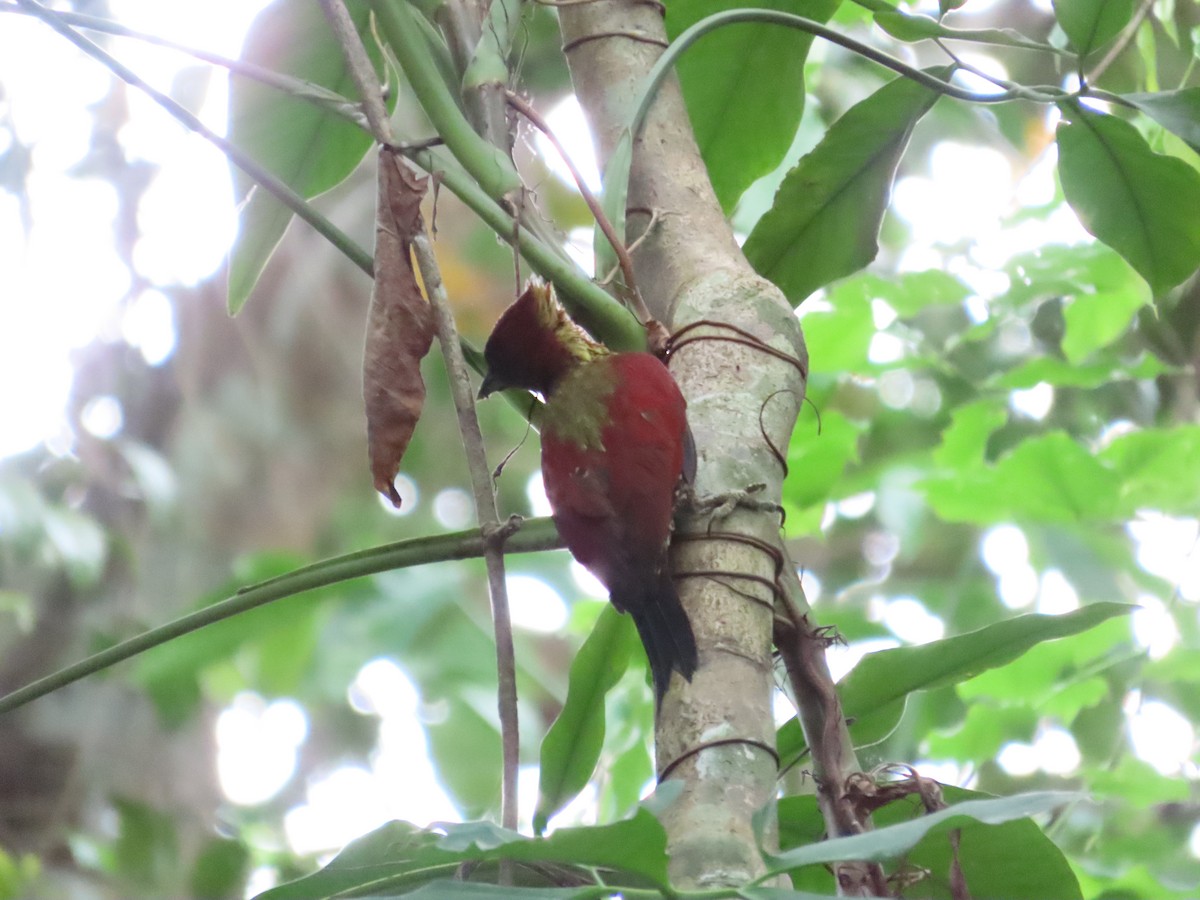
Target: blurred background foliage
point(999, 423)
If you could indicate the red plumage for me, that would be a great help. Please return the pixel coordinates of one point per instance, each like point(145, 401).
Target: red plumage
point(615, 443)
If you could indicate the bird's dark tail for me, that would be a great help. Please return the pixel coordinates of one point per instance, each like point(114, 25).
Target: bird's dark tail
point(663, 627)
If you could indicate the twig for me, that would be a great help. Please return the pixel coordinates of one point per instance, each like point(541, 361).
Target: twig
point(535, 534)
point(518, 103)
point(820, 712)
point(1122, 42)
point(269, 182)
point(464, 402)
point(360, 68)
point(293, 87)
point(489, 521)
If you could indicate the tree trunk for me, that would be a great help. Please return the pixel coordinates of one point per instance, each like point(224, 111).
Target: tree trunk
point(717, 734)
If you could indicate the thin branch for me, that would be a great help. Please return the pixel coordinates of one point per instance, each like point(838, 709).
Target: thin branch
point(266, 179)
point(665, 62)
point(825, 730)
point(293, 87)
point(360, 68)
point(489, 521)
point(1122, 42)
point(488, 164)
point(639, 305)
point(482, 487)
point(535, 534)
point(588, 303)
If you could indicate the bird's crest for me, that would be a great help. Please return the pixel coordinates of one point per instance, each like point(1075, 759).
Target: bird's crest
point(552, 317)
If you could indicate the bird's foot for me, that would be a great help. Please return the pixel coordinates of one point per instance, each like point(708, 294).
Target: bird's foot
point(497, 534)
point(721, 506)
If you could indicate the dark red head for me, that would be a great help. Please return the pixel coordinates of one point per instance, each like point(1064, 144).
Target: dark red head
point(534, 344)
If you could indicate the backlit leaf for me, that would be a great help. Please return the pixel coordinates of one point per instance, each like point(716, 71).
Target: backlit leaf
point(1140, 203)
point(824, 223)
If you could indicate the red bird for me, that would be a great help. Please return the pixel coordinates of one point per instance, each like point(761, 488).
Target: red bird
point(615, 442)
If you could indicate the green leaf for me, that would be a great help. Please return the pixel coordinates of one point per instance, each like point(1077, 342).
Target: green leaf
point(743, 130)
point(1096, 320)
point(986, 851)
point(465, 747)
point(220, 869)
point(908, 27)
point(912, 292)
point(1176, 111)
point(1140, 203)
point(1158, 468)
point(816, 461)
point(1050, 478)
point(572, 746)
point(446, 889)
point(874, 692)
point(824, 223)
point(1090, 24)
point(401, 851)
point(147, 845)
point(1056, 371)
point(894, 840)
point(308, 147)
point(965, 439)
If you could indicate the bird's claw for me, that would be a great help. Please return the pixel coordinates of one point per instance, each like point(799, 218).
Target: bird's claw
point(721, 506)
point(500, 532)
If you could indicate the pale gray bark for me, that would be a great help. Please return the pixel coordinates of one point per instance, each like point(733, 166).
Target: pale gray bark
point(715, 734)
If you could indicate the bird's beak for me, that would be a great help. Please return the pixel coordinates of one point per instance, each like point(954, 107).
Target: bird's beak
point(490, 385)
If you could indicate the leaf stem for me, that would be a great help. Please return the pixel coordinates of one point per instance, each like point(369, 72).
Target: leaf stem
point(520, 105)
point(287, 84)
point(488, 164)
point(266, 179)
point(588, 303)
point(535, 534)
point(483, 489)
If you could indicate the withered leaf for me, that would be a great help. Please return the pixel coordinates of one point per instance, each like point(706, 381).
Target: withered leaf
point(399, 325)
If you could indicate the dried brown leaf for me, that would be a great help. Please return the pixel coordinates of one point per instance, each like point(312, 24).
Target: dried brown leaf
point(399, 325)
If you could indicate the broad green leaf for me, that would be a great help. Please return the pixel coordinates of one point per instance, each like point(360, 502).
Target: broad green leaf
point(308, 147)
point(1176, 111)
point(839, 338)
point(146, 850)
point(816, 459)
point(1050, 478)
point(171, 673)
point(965, 439)
point(399, 850)
point(1090, 24)
point(1140, 203)
point(1137, 783)
point(824, 223)
point(873, 693)
point(449, 889)
point(220, 869)
point(911, 27)
point(1096, 320)
point(895, 840)
point(912, 292)
point(986, 852)
point(1158, 468)
point(465, 747)
point(1056, 371)
point(743, 130)
point(572, 746)
point(988, 726)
